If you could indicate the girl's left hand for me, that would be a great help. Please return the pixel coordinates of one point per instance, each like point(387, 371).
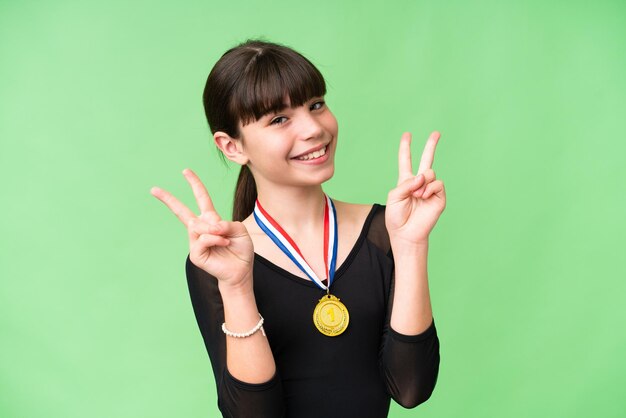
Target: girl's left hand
point(414, 206)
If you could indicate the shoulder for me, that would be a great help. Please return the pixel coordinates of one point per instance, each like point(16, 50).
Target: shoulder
point(355, 213)
point(369, 219)
point(361, 217)
point(358, 213)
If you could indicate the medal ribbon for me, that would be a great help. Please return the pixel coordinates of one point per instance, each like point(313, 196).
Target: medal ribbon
point(282, 239)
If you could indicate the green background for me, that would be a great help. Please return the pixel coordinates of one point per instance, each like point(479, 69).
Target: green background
point(99, 101)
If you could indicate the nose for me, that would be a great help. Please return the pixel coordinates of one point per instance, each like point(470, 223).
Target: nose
point(309, 127)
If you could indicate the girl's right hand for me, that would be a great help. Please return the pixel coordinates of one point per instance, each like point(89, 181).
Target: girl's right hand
point(221, 248)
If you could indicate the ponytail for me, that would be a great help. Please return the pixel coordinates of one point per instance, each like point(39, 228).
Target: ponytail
point(245, 195)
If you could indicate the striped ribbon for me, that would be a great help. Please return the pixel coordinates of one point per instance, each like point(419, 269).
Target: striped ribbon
point(282, 239)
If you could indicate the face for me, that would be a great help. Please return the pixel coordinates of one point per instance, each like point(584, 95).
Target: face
point(294, 146)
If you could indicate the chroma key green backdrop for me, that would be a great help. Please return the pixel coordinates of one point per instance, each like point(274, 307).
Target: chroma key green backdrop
point(99, 101)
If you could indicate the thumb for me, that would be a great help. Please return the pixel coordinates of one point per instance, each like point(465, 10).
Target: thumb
point(228, 229)
point(406, 188)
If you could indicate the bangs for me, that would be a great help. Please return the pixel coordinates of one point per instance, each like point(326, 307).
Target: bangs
point(270, 78)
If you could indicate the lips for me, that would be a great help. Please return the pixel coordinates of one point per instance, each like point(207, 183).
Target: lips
point(319, 147)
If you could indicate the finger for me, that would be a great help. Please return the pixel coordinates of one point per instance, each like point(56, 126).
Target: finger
point(181, 211)
point(199, 191)
point(429, 176)
point(210, 240)
point(433, 188)
point(405, 170)
point(197, 227)
point(193, 230)
point(428, 155)
point(229, 229)
point(405, 189)
point(210, 217)
point(200, 226)
point(204, 243)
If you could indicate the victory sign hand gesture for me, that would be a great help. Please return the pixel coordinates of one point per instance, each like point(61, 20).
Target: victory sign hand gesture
point(221, 248)
point(414, 206)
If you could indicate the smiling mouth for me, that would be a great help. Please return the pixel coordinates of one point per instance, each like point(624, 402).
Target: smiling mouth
point(313, 155)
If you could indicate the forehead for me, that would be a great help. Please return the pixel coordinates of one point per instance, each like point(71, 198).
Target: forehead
point(271, 85)
point(285, 104)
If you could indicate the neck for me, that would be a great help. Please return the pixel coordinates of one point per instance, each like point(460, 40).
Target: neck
point(296, 209)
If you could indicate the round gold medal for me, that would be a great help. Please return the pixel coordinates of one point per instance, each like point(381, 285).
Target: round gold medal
point(331, 316)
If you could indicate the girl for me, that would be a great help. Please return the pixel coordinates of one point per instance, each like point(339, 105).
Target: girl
point(308, 306)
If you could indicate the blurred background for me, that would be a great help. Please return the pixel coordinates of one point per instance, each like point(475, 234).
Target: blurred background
point(100, 101)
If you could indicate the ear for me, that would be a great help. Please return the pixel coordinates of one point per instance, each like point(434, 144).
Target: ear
point(231, 147)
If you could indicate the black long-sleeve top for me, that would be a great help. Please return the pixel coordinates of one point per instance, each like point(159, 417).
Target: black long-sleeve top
point(350, 375)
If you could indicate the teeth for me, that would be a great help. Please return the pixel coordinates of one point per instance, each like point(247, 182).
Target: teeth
point(315, 154)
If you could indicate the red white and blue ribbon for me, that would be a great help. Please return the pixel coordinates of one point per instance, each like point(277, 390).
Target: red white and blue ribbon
point(282, 239)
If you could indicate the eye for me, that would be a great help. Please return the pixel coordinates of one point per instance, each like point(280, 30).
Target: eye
point(278, 120)
point(318, 105)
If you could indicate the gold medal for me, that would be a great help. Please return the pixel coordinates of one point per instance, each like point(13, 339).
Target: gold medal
point(331, 316)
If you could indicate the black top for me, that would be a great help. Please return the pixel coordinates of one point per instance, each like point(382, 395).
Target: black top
point(350, 375)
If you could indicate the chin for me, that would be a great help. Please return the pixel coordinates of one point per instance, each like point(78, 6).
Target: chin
point(318, 178)
point(327, 176)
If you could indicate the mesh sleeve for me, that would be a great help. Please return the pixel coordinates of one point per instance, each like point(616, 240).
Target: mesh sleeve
point(409, 363)
point(236, 398)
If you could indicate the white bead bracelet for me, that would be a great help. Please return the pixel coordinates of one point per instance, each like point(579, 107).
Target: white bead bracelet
point(245, 334)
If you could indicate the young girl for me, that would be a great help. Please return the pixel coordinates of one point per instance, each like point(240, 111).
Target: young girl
point(308, 306)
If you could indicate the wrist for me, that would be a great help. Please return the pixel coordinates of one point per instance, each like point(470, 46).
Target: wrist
point(400, 246)
point(258, 326)
point(239, 288)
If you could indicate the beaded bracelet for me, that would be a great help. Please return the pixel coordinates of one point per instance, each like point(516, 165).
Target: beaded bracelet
point(245, 334)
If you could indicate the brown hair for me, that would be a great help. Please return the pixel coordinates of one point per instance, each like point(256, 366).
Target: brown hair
point(248, 82)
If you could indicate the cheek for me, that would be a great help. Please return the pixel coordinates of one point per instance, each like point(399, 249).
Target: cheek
point(331, 124)
point(271, 152)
